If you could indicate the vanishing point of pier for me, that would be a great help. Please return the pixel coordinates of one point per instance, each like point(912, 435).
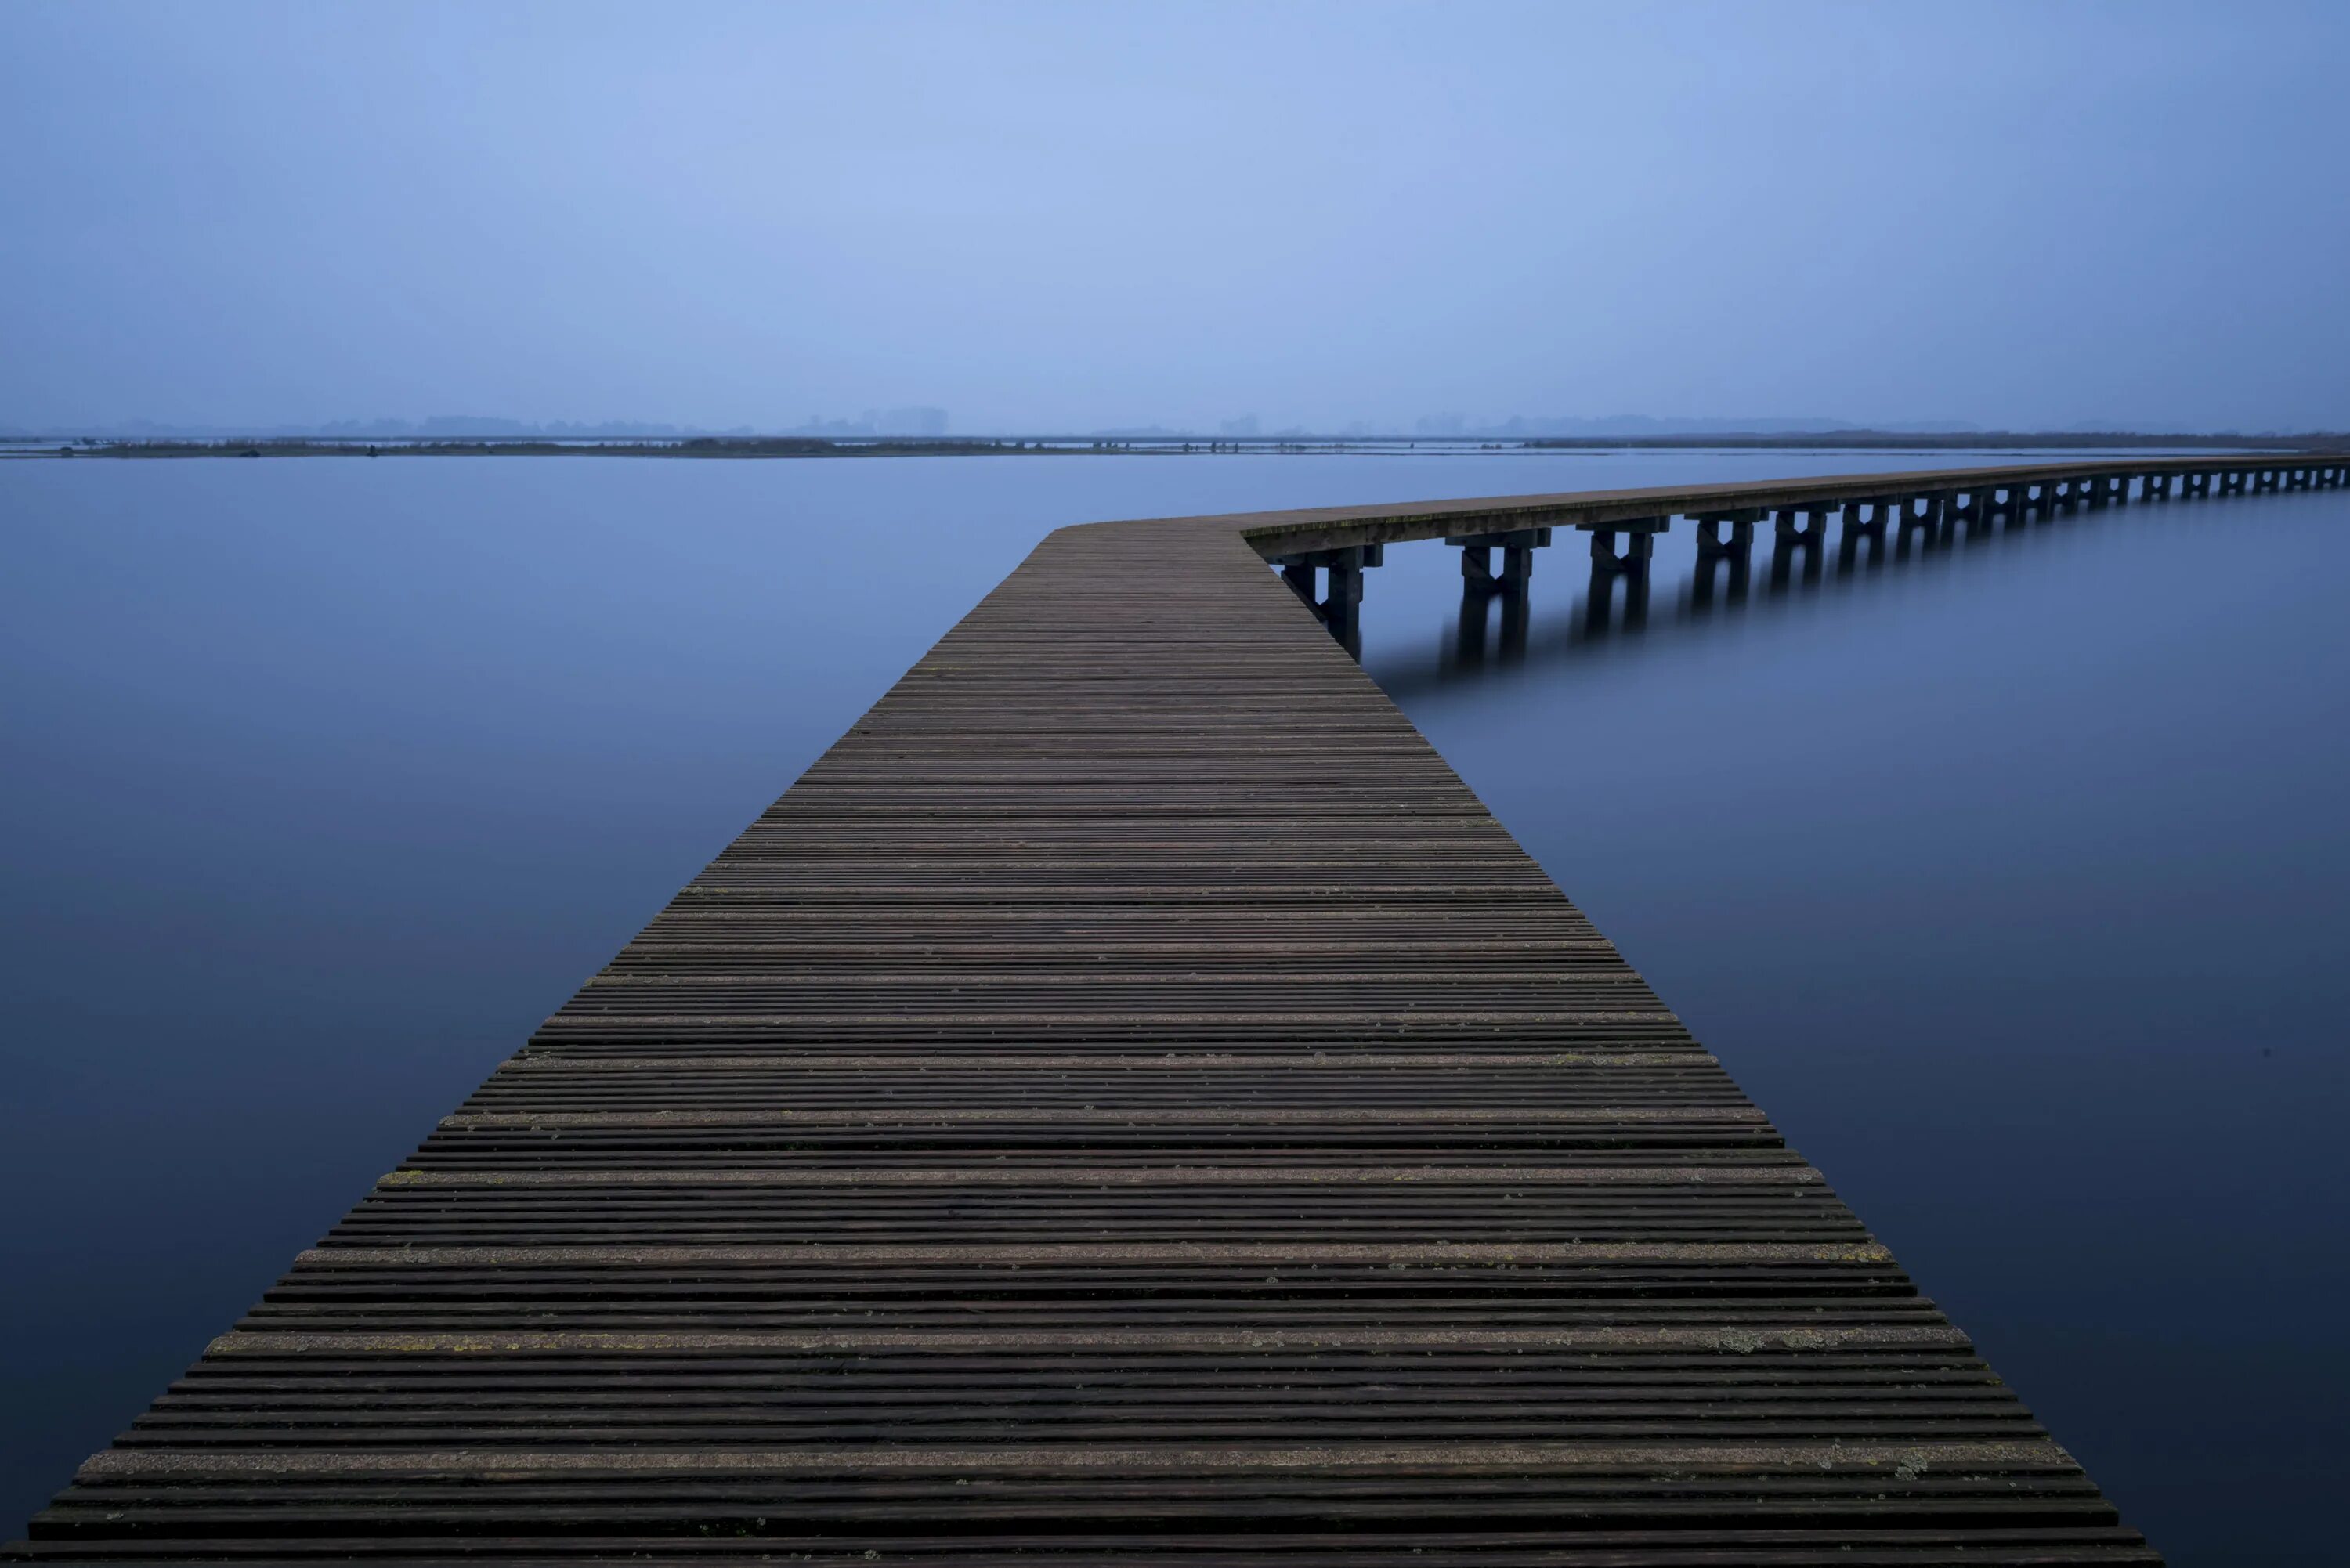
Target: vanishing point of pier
point(1129, 1102)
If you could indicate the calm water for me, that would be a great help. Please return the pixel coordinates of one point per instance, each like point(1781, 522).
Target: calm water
point(2009, 879)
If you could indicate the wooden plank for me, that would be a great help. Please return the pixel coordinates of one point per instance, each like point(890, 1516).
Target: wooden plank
point(1127, 1102)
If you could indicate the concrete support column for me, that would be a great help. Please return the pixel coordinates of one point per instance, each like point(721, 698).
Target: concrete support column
point(1928, 515)
point(1631, 555)
point(1799, 533)
point(1624, 546)
point(1517, 546)
point(1856, 528)
point(1725, 544)
point(1340, 608)
point(1801, 524)
point(1712, 541)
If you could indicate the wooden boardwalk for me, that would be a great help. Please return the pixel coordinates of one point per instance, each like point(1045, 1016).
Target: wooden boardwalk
point(1127, 1103)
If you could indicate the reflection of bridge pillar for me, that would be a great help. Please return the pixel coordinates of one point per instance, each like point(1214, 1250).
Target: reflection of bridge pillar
point(1599, 600)
point(1341, 606)
point(1513, 626)
point(1711, 566)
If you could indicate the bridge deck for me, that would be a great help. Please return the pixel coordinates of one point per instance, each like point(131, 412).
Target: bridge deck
point(1129, 1102)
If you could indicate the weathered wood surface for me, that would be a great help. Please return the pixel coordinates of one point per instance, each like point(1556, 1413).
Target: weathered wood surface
point(1129, 1102)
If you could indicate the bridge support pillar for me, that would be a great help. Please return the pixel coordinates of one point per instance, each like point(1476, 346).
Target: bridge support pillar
point(1517, 546)
point(1798, 531)
point(1879, 508)
point(1858, 528)
point(1801, 524)
point(1725, 543)
point(1341, 606)
point(1930, 515)
point(1624, 547)
point(1712, 539)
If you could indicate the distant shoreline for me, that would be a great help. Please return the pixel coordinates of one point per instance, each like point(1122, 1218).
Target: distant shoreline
point(739, 447)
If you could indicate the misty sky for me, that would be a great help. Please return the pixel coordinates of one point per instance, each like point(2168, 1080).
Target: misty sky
point(1065, 217)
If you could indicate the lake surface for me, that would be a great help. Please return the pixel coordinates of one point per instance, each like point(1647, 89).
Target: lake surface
point(2009, 879)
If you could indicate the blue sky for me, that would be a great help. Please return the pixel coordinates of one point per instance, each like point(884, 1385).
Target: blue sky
point(1046, 216)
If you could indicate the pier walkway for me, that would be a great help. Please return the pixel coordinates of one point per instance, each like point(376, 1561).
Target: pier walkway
point(1127, 1103)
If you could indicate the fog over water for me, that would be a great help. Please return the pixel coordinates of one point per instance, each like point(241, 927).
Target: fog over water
point(1065, 216)
point(2006, 877)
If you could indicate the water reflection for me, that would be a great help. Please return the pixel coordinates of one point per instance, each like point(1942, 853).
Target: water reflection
point(1494, 630)
point(1479, 606)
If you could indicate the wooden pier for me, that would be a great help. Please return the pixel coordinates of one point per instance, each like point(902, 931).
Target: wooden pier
point(1128, 1103)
